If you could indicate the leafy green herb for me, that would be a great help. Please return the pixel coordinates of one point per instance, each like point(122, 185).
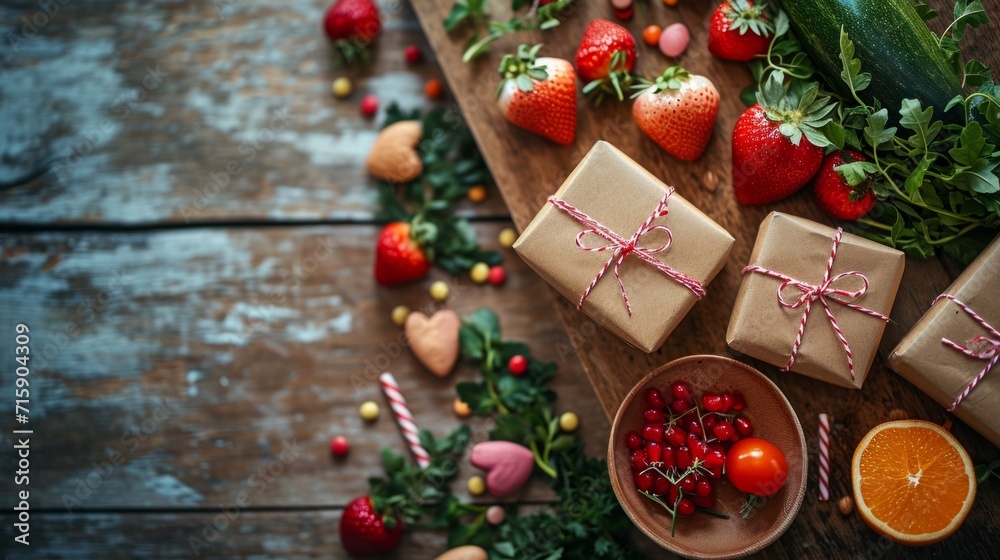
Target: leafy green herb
point(473, 13)
point(983, 472)
point(937, 183)
point(452, 164)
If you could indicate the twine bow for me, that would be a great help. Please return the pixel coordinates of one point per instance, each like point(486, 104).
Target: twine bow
point(621, 248)
point(980, 348)
point(824, 292)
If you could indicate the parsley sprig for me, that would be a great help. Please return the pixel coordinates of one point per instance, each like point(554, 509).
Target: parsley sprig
point(474, 14)
point(452, 164)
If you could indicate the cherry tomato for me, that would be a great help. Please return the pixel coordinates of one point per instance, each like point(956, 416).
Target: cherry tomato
point(756, 466)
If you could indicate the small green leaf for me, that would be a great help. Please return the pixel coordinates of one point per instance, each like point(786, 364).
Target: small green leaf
point(876, 133)
point(970, 14)
point(976, 73)
point(851, 73)
point(916, 177)
point(919, 121)
point(925, 12)
point(834, 133)
point(855, 173)
point(780, 23)
point(459, 13)
point(981, 178)
point(505, 549)
point(971, 146)
point(982, 473)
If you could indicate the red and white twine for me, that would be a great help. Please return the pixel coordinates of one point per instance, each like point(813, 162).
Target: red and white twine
point(621, 248)
point(980, 348)
point(404, 418)
point(824, 292)
point(824, 457)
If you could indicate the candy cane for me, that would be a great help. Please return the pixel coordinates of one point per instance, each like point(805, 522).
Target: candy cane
point(404, 418)
point(824, 457)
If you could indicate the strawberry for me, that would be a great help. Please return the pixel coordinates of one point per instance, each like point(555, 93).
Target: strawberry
point(364, 532)
point(777, 144)
point(677, 111)
point(352, 25)
point(841, 193)
point(399, 258)
point(739, 30)
point(539, 94)
point(605, 58)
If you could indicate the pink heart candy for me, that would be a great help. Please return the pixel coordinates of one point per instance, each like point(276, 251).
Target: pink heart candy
point(508, 465)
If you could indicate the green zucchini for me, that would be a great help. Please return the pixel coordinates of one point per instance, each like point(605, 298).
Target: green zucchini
point(892, 42)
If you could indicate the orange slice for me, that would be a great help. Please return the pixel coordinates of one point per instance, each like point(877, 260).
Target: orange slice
point(913, 482)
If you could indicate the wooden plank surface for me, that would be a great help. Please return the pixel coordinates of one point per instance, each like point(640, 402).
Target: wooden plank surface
point(201, 354)
point(146, 103)
point(612, 366)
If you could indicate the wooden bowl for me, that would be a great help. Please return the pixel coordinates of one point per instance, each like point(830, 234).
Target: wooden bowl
point(702, 535)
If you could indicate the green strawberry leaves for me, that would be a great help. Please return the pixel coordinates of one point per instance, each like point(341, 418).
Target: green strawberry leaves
point(746, 17)
point(798, 110)
point(522, 68)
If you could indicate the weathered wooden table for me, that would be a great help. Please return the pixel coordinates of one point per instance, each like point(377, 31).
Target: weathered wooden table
point(192, 319)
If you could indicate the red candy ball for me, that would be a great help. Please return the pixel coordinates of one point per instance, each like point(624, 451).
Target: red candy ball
point(518, 365)
point(497, 275)
point(412, 54)
point(369, 105)
point(339, 446)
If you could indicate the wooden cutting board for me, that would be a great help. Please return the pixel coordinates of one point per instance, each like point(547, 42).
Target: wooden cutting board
point(528, 169)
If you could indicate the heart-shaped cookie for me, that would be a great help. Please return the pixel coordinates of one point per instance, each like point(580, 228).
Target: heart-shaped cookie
point(434, 341)
point(394, 156)
point(508, 465)
point(468, 552)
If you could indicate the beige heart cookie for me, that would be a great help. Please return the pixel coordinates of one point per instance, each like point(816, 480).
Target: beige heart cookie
point(393, 156)
point(434, 341)
point(468, 552)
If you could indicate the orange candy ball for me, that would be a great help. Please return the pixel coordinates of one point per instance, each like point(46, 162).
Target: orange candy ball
point(651, 35)
point(434, 89)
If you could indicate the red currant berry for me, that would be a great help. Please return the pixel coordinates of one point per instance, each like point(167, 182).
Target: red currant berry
point(654, 415)
point(497, 275)
point(652, 432)
point(723, 431)
point(714, 460)
point(709, 420)
point(736, 437)
point(654, 399)
point(639, 459)
point(698, 449)
point(673, 492)
point(339, 446)
point(644, 481)
point(683, 458)
point(703, 487)
point(687, 483)
point(679, 407)
point(727, 401)
point(743, 426)
point(654, 450)
point(412, 54)
point(685, 507)
point(633, 441)
point(712, 402)
point(694, 427)
point(369, 105)
point(668, 456)
point(681, 391)
point(739, 403)
point(660, 484)
point(675, 436)
point(704, 501)
point(518, 364)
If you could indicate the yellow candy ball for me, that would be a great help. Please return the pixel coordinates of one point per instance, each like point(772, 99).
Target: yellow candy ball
point(476, 485)
point(440, 290)
point(399, 315)
point(342, 87)
point(569, 422)
point(507, 237)
point(477, 193)
point(369, 411)
point(480, 272)
point(462, 409)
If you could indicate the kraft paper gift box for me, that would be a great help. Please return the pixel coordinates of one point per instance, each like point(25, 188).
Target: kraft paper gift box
point(796, 252)
point(615, 191)
point(944, 371)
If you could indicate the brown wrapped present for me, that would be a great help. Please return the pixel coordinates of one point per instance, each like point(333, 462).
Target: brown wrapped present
point(632, 253)
point(951, 354)
point(814, 300)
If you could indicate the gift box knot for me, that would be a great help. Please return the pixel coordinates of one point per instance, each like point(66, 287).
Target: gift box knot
point(980, 348)
point(824, 292)
point(621, 248)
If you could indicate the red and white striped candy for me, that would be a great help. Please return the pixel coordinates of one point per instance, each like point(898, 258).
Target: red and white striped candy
point(824, 457)
point(404, 418)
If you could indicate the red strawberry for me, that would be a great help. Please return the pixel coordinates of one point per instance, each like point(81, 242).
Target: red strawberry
point(352, 25)
point(605, 58)
point(777, 145)
point(739, 31)
point(677, 111)
point(843, 194)
point(398, 256)
point(539, 94)
point(363, 532)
